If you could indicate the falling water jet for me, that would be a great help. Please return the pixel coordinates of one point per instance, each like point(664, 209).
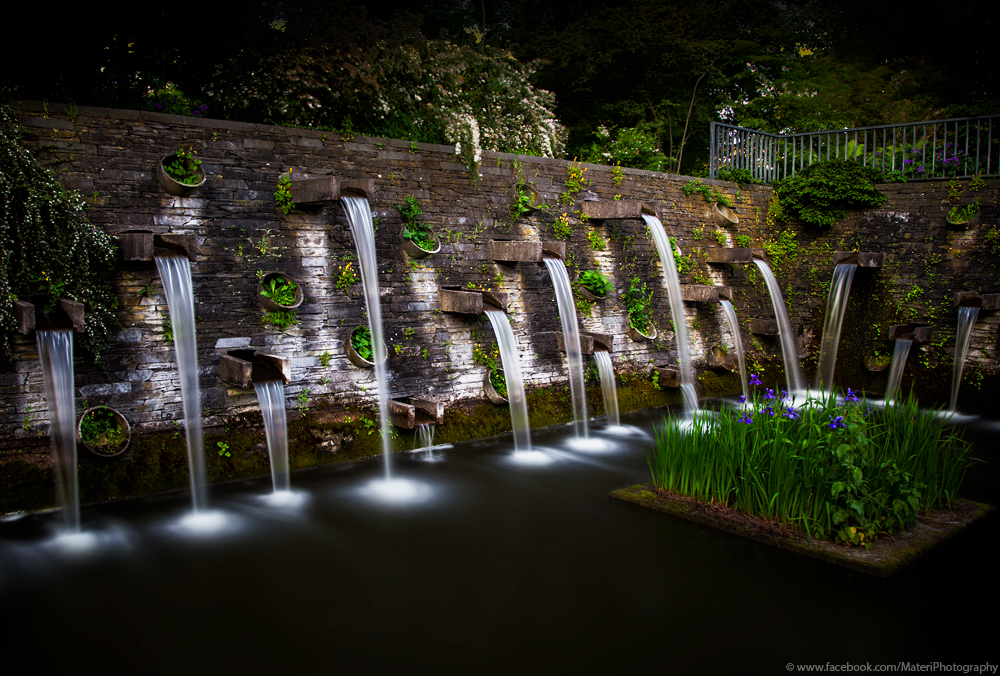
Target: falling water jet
point(966, 320)
point(607, 373)
point(727, 309)
point(836, 304)
point(899, 355)
point(507, 345)
point(793, 375)
point(672, 281)
point(571, 335)
point(271, 395)
point(55, 351)
point(175, 272)
point(359, 218)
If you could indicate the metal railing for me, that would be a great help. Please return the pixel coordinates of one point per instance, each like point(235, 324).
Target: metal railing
point(959, 147)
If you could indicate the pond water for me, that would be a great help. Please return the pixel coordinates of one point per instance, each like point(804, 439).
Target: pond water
point(476, 562)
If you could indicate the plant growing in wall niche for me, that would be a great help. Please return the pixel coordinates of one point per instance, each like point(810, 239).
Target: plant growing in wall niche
point(637, 300)
point(280, 290)
point(183, 166)
point(414, 230)
point(961, 215)
point(821, 193)
point(280, 320)
point(596, 283)
point(101, 431)
point(361, 341)
point(48, 247)
point(708, 192)
point(283, 194)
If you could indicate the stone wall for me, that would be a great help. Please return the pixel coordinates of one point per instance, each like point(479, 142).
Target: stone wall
point(110, 157)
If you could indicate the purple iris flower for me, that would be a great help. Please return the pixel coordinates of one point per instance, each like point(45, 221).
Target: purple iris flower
point(746, 419)
point(754, 380)
point(770, 411)
point(158, 106)
point(784, 395)
point(791, 414)
point(770, 394)
point(852, 396)
point(836, 423)
point(743, 399)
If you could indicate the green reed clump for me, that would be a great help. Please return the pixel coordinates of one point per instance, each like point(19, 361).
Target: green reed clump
point(847, 473)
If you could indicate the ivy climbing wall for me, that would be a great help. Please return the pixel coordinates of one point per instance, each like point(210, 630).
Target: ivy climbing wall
point(110, 157)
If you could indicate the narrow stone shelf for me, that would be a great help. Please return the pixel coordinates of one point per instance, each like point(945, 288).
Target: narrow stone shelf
point(586, 343)
point(68, 315)
point(602, 341)
point(967, 299)
point(243, 368)
point(670, 376)
point(720, 256)
point(863, 259)
point(918, 333)
point(329, 189)
point(764, 327)
point(617, 209)
point(701, 293)
point(140, 246)
point(508, 251)
point(409, 412)
point(471, 302)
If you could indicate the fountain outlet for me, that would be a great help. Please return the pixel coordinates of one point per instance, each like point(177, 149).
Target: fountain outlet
point(244, 368)
point(413, 412)
point(863, 259)
point(35, 314)
point(724, 217)
point(587, 343)
point(726, 255)
point(617, 209)
point(470, 302)
point(509, 251)
point(702, 293)
point(141, 246)
point(325, 190)
point(917, 333)
point(967, 299)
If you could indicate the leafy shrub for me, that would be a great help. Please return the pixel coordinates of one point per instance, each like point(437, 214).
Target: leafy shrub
point(741, 176)
point(821, 193)
point(280, 290)
point(596, 282)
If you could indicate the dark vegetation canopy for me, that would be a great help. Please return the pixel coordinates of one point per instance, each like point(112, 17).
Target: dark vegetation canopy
point(632, 81)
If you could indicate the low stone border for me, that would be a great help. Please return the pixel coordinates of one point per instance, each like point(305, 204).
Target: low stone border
point(889, 554)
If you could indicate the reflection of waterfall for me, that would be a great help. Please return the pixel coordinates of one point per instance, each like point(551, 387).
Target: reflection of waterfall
point(571, 339)
point(607, 371)
point(55, 351)
point(512, 374)
point(359, 218)
point(175, 272)
point(673, 283)
point(966, 320)
point(899, 354)
point(727, 309)
point(836, 304)
point(793, 376)
point(272, 406)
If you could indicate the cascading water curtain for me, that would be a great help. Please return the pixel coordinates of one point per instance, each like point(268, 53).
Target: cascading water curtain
point(571, 339)
point(271, 395)
point(511, 361)
point(836, 306)
point(793, 374)
point(175, 272)
point(730, 312)
point(55, 351)
point(899, 354)
point(966, 320)
point(610, 391)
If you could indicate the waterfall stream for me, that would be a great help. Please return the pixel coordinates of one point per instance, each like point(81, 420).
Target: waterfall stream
point(271, 395)
point(571, 339)
point(607, 372)
point(836, 305)
point(963, 335)
point(55, 351)
point(507, 345)
point(727, 309)
point(899, 354)
point(793, 375)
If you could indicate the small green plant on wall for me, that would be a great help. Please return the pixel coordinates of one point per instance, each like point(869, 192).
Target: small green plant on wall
point(708, 192)
point(561, 227)
point(488, 357)
point(101, 432)
point(280, 320)
point(414, 230)
point(959, 214)
point(637, 300)
point(283, 195)
point(595, 282)
point(361, 341)
point(182, 166)
point(324, 359)
point(595, 241)
point(347, 277)
point(617, 174)
point(280, 290)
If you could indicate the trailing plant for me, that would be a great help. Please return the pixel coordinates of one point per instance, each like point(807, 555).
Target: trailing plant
point(742, 241)
point(595, 241)
point(281, 320)
point(414, 230)
point(283, 195)
point(347, 277)
point(617, 174)
point(637, 299)
point(954, 190)
point(684, 263)
point(596, 282)
point(47, 246)
point(280, 290)
point(711, 195)
point(561, 228)
point(361, 341)
point(182, 166)
point(847, 473)
point(101, 431)
point(490, 358)
point(523, 202)
point(821, 193)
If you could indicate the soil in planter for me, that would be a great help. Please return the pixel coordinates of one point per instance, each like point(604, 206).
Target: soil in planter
point(102, 433)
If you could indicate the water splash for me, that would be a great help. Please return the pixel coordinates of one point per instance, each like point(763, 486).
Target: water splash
point(673, 285)
point(515, 382)
point(793, 375)
point(727, 309)
point(359, 218)
point(271, 395)
point(607, 372)
point(836, 305)
point(966, 320)
point(571, 339)
point(899, 355)
point(55, 351)
point(175, 272)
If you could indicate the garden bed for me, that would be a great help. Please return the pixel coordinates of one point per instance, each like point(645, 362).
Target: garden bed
point(888, 554)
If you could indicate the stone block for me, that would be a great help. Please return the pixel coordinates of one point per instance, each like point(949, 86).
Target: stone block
point(863, 259)
point(75, 311)
point(176, 244)
point(699, 293)
point(725, 293)
point(764, 327)
point(515, 252)
point(616, 209)
point(230, 343)
point(967, 299)
point(602, 341)
point(105, 389)
point(462, 302)
point(923, 334)
point(402, 414)
point(669, 376)
point(557, 249)
point(322, 190)
point(24, 313)
point(433, 409)
point(136, 245)
point(991, 301)
point(718, 256)
point(586, 343)
point(362, 187)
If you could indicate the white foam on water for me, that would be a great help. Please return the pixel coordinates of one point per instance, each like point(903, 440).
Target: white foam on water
point(397, 491)
point(285, 499)
point(204, 522)
point(591, 444)
point(534, 458)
